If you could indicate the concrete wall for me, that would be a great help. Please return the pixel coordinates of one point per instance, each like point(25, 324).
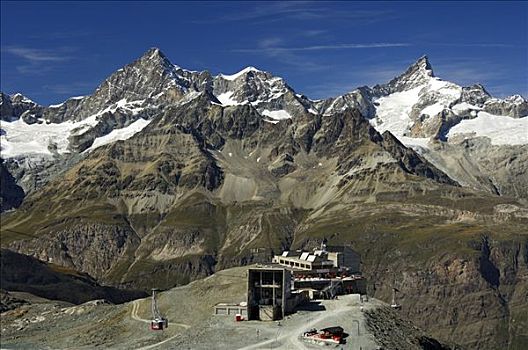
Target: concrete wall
point(351, 259)
point(230, 310)
point(345, 256)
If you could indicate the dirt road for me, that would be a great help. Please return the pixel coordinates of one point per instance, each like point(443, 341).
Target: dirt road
point(345, 312)
point(134, 315)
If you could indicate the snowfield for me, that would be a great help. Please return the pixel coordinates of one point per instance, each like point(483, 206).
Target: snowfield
point(393, 115)
point(393, 112)
point(501, 130)
point(17, 138)
point(21, 139)
point(464, 106)
point(433, 110)
point(448, 90)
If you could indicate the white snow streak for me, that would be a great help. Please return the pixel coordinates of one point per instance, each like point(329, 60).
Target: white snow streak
point(239, 74)
point(120, 134)
point(276, 115)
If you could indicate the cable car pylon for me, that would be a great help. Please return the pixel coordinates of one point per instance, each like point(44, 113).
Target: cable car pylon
point(158, 322)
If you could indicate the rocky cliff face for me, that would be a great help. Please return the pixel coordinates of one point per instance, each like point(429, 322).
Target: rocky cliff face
point(477, 301)
point(392, 332)
point(456, 275)
point(515, 106)
point(11, 195)
point(480, 165)
point(16, 106)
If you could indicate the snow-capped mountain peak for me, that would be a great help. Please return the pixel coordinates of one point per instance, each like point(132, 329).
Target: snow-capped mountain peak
point(413, 106)
point(424, 65)
point(155, 54)
point(421, 110)
point(419, 73)
point(269, 94)
point(241, 73)
point(19, 98)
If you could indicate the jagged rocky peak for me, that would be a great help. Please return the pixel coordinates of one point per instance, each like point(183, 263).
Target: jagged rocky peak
point(16, 99)
point(269, 94)
point(14, 106)
point(150, 80)
point(478, 98)
point(248, 85)
point(150, 73)
point(423, 65)
point(514, 106)
point(517, 99)
point(419, 73)
point(155, 54)
point(154, 59)
point(19, 98)
point(361, 99)
point(182, 79)
point(475, 94)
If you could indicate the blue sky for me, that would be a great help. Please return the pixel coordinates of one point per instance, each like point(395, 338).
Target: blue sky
point(53, 50)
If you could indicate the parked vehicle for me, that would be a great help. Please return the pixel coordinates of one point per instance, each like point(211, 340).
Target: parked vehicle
point(325, 336)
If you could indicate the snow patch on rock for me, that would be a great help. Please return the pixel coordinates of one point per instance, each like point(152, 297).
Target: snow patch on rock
point(277, 115)
point(119, 134)
point(227, 99)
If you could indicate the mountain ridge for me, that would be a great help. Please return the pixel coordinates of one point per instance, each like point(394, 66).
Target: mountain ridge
point(418, 108)
point(201, 185)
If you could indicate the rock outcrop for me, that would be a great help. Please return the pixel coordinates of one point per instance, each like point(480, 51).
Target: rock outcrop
point(22, 273)
point(11, 194)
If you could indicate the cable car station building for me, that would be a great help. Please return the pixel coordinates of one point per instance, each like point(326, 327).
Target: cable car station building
point(269, 291)
point(294, 277)
point(327, 259)
point(325, 272)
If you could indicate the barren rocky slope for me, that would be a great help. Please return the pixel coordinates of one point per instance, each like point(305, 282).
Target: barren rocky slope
point(21, 273)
